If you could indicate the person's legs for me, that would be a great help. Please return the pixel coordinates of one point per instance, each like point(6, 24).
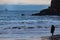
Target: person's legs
point(52, 37)
point(52, 34)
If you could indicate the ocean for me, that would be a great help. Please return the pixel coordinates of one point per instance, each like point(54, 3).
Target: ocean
point(20, 23)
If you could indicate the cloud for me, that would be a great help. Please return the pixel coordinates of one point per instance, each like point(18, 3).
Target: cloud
point(24, 1)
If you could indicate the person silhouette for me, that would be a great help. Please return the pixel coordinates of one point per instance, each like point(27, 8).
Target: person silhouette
point(52, 29)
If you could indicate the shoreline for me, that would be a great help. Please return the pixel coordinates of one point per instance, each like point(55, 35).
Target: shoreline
point(55, 37)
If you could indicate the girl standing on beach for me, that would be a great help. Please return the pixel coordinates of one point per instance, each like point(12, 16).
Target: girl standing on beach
point(52, 29)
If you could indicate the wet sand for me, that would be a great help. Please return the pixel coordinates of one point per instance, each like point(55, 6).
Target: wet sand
point(55, 37)
point(20, 39)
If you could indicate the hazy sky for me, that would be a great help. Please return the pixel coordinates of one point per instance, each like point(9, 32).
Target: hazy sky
point(38, 2)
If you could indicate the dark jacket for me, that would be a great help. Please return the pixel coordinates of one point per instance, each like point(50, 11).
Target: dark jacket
point(52, 29)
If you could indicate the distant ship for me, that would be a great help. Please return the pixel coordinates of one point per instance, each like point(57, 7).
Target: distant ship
point(6, 9)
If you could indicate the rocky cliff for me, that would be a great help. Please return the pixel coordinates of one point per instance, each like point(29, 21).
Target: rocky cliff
point(53, 9)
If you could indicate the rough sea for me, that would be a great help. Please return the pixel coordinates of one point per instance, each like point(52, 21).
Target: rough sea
point(14, 24)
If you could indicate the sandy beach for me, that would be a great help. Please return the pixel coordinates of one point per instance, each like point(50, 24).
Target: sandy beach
point(55, 37)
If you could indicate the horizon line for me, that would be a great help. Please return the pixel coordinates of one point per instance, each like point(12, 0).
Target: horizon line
point(24, 4)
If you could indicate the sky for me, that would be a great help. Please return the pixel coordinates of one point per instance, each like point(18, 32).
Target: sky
point(25, 2)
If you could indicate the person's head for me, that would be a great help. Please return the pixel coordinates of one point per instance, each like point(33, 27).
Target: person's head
point(52, 25)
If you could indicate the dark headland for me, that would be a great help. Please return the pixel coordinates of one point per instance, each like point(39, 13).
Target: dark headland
point(53, 9)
